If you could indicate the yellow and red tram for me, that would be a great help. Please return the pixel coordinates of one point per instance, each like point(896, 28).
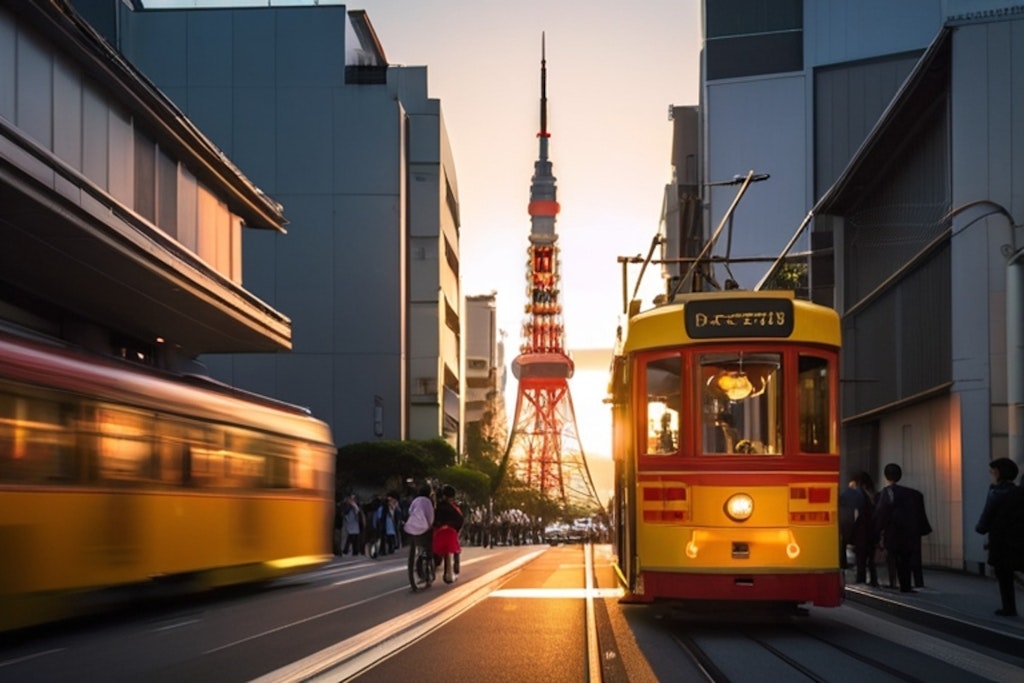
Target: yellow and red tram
point(725, 439)
point(118, 481)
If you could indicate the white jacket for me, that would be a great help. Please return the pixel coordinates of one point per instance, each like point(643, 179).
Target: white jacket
point(421, 516)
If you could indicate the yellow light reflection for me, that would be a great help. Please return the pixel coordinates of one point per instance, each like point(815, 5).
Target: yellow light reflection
point(735, 385)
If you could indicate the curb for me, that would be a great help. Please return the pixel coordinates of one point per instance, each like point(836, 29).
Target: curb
point(977, 633)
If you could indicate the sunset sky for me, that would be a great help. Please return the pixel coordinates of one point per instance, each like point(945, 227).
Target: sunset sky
point(613, 70)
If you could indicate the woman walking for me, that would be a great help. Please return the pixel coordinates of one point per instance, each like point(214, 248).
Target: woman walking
point(448, 519)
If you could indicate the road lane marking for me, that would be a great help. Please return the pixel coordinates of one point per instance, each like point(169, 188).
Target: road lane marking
point(178, 624)
point(593, 650)
point(344, 659)
point(313, 617)
point(34, 655)
point(575, 593)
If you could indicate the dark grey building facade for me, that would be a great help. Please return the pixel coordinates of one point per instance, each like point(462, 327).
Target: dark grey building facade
point(303, 100)
point(890, 134)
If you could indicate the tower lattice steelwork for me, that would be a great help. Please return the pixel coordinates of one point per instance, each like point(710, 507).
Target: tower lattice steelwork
point(544, 449)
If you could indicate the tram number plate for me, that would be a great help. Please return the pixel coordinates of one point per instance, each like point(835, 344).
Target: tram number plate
point(739, 318)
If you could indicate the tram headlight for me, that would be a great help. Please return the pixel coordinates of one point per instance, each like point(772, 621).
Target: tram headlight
point(739, 507)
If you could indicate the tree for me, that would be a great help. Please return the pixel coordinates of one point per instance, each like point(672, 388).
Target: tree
point(471, 485)
point(439, 452)
point(790, 275)
point(383, 464)
point(482, 452)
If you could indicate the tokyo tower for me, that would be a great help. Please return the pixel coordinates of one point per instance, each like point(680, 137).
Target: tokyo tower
point(544, 450)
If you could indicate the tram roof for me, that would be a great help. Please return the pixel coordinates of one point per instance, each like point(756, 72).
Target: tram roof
point(668, 325)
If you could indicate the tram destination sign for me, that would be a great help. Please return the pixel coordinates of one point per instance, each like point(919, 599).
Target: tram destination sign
point(715, 318)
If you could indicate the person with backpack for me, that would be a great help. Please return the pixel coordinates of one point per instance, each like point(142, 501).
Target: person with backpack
point(1003, 520)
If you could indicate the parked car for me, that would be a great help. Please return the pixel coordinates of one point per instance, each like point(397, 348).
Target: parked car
point(556, 533)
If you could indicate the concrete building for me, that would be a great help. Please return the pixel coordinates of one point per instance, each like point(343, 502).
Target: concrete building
point(303, 99)
point(890, 130)
point(484, 395)
point(121, 222)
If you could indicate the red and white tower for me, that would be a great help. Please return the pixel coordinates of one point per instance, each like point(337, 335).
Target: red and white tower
point(544, 449)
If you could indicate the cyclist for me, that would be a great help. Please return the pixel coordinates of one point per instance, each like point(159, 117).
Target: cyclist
point(419, 523)
point(448, 520)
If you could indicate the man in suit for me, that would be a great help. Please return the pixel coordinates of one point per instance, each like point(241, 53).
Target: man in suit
point(900, 521)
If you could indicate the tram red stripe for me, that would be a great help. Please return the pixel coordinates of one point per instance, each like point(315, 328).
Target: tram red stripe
point(741, 478)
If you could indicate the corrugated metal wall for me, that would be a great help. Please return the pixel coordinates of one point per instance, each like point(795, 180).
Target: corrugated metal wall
point(897, 292)
point(848, 101)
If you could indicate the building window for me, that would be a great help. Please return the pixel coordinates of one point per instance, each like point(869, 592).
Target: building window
point(753, 37)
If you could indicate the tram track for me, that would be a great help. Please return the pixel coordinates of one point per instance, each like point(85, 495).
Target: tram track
point(725, 655)
point(735, 650)
point(700, 659)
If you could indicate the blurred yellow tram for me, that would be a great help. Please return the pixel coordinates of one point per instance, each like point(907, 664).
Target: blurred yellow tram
point(117, 481)
point(725, 439)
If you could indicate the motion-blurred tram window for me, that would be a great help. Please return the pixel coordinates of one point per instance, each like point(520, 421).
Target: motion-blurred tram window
point(281, 466)
point(169, 452)
point(125, 445)
point(36, 444)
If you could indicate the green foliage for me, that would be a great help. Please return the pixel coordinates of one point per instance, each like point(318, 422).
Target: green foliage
point(480, 445)
point(513, 494)
point(439, 452)
point(471, 485)
point(790, 275)
point(383, 465)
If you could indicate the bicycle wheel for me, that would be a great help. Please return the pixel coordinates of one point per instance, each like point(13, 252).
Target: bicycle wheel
point(425, 567)
point(414, 574)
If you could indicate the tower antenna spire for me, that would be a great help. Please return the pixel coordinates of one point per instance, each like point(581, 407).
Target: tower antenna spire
point(543, 449)
point(543, 90)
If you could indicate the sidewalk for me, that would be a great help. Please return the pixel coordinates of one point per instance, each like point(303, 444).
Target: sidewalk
point(958, 603)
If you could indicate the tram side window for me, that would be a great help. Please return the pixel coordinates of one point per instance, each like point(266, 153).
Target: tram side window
point(229, 459)
point(741, 402)
point(36, 443)
point(815, 405)
point(171, 450)
point(663, 392)
point(125, 444)
point(245, 463)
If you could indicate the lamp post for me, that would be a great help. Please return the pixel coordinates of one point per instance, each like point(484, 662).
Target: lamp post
point(1015, 349)
point(1014, 256)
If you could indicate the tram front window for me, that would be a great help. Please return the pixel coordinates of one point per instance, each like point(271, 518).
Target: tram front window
point(815, 406)
point(740, 395)
point(663, 382)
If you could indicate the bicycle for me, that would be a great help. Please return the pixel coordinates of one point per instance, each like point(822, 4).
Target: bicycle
point(422, 570)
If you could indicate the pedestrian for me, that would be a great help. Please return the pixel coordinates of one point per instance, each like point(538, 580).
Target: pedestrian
point(923, 529)
point(353, 523)
point(1003, 520)
point(900, 521)
point(448, 519)
point(389, 524)
point(421, 520)
point(864, 534)
point(372, 536)
point(851, 502)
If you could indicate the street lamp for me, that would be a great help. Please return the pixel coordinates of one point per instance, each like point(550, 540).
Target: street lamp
point(1014, 256)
